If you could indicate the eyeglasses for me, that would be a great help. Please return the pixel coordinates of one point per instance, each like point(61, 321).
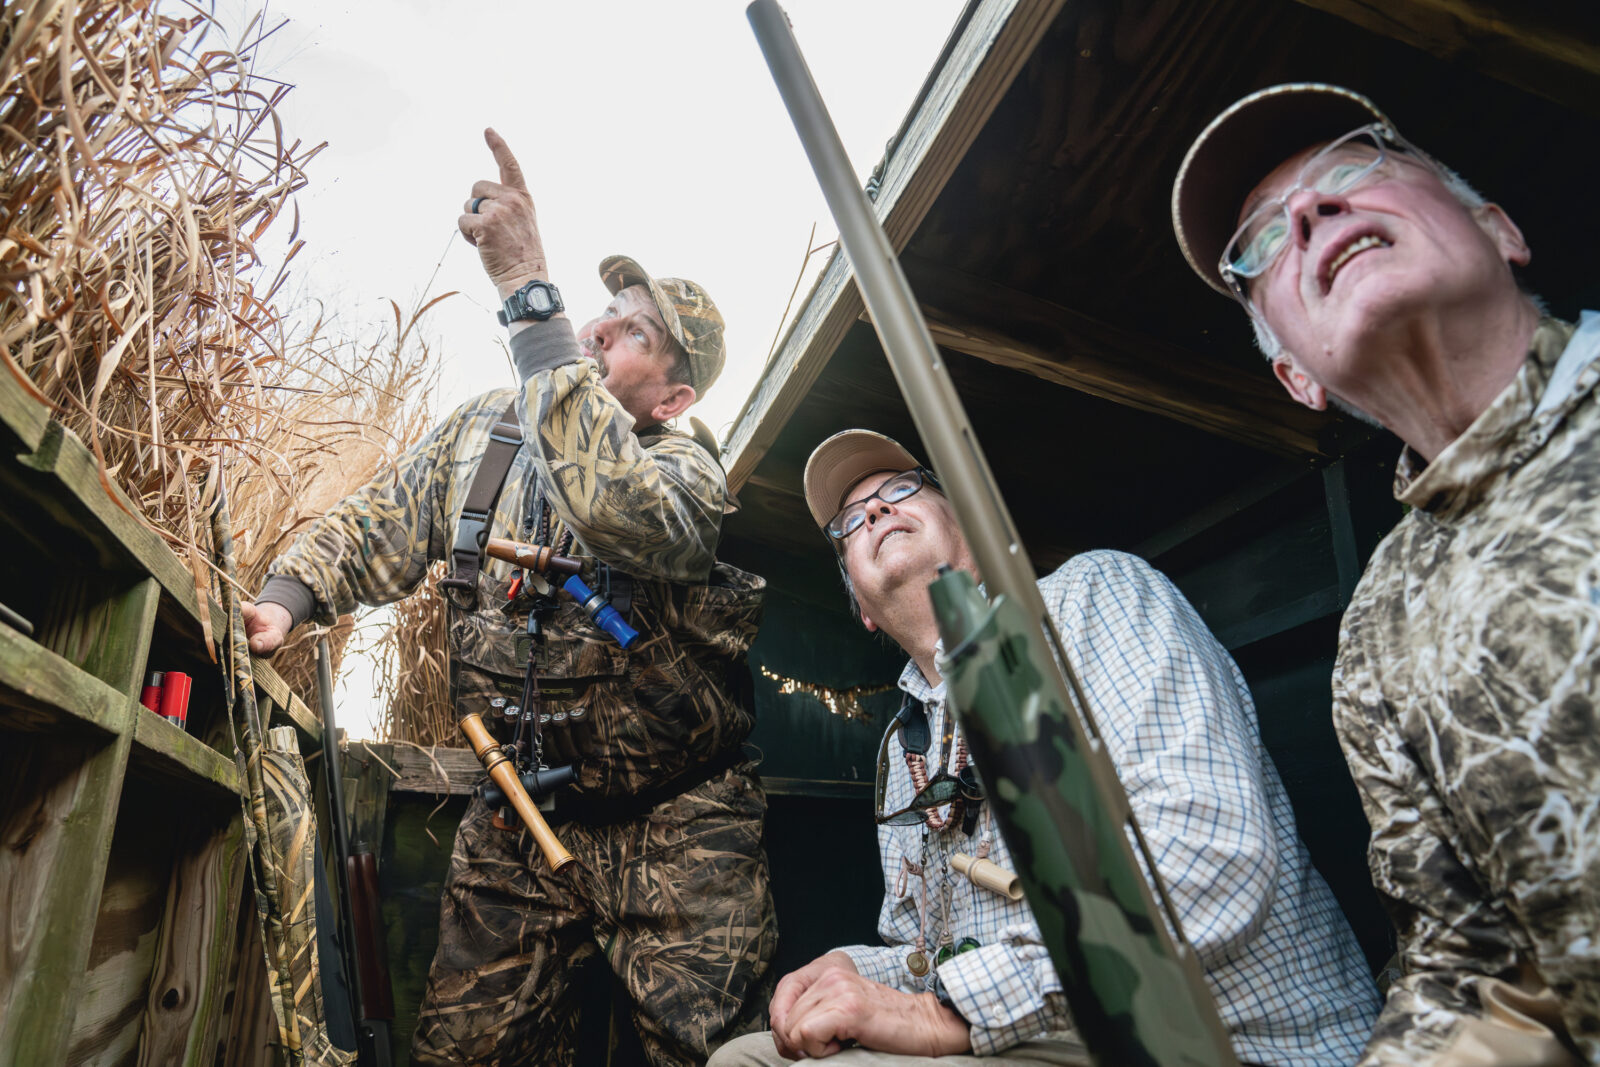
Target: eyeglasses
point(895, 489)
point(1338, 168)
point(911, 724)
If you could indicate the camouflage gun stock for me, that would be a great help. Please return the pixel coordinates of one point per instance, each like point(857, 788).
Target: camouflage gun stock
point(1135, 990)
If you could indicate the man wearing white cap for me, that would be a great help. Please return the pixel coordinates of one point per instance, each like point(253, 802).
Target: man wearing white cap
point(963, 971)
point(1465, 690)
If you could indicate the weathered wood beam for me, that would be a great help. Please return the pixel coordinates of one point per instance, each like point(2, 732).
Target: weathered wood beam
point(436, 770)
point(1056, 344)
point(1554, 55)
point(994, 45)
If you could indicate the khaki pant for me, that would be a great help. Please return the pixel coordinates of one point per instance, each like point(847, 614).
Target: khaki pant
point(677, 902)
point(757, 1050)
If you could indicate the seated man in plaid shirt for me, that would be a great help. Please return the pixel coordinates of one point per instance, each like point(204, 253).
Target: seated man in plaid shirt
point(964, 972)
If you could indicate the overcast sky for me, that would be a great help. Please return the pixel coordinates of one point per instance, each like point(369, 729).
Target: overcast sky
point(645, 128)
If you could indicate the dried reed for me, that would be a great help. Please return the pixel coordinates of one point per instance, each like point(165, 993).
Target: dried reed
point(410, 671)
point(142, 164)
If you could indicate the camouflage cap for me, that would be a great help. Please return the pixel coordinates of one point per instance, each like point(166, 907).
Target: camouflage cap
point(691, 317)
point(841, 461)
point(1242, 146)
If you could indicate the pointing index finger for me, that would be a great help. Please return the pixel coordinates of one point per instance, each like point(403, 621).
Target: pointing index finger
point(510, 169)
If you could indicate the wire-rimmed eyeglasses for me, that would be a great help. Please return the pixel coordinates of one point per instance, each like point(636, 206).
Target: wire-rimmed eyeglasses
point(894, 489)
point(1337, 168)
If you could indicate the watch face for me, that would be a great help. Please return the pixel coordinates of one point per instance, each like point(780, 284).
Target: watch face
point(539, 299)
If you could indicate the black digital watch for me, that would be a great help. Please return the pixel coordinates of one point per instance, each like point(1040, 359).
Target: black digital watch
point(537, 300)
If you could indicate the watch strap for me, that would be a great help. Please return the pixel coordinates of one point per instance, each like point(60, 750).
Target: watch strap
point(517, 307)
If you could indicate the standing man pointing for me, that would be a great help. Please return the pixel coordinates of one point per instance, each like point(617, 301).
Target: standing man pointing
point(665, 814)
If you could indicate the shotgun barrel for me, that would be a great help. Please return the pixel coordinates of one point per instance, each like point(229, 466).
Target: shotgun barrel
point(1137, 994)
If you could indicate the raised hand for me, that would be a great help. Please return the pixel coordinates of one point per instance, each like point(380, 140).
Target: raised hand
point(499, 220)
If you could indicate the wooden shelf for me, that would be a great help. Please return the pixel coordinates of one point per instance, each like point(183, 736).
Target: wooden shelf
point(160, 745)
point(42, 691)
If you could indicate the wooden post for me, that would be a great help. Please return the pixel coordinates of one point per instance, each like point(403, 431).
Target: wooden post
point(57, 816)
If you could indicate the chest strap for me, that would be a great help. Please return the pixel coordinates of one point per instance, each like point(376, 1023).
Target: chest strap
point(466, 555)
point(472, 531)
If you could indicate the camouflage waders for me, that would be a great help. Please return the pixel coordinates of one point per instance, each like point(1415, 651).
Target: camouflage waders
point(679, 908)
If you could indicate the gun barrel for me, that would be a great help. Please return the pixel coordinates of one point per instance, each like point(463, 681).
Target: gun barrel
point(505, 776)
point(1187, 1029)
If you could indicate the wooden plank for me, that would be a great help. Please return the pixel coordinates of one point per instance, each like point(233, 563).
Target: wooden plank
point(1553, 52)
point(420, 770)
point(367, 782)
point(127, 928)
point(106, 635)
point(1308, 608)
point(192, 960)
point(23, 416)
point(287, 707)
point(1341, 526)
point(68, 491)
point(817, 787)
point(40, 690)
point(997, 40)
point(1054, 343)
point(58, 807)
point(249, 1032)
point(165, 749)
point(1219, 510)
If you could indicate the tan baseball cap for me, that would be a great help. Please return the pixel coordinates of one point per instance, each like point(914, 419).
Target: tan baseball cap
point(691, 317)
point(1242, 146)
point(841, 461)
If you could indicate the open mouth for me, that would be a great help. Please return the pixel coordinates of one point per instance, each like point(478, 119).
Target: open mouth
point(892, 531)
point(1353, 249)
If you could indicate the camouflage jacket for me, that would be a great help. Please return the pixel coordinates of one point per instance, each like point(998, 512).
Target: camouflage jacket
point(1465, 697)
point(649, 504)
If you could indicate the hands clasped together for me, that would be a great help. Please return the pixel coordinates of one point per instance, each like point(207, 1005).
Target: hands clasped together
point(827, 1005)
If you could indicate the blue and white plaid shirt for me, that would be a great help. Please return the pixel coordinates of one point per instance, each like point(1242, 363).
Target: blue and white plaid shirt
point(1175, 713)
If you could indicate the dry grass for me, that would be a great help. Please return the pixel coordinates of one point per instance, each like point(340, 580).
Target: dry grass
point(411, 675)
point(142, 168)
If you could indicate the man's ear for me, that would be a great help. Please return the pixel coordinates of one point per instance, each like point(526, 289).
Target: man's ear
point(1505, 234)
point(1299, 385)
point(866, 621)
point(675, 403)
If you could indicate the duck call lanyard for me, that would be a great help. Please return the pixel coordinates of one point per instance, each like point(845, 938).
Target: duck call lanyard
point(535, 528)
point(917, 961)
point(505, 439)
